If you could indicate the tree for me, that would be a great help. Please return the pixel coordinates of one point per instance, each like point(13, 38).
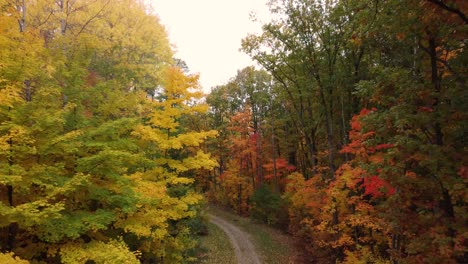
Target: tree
point(171, 155)
point(301, 49)
point(396, 192)
point(84, 176)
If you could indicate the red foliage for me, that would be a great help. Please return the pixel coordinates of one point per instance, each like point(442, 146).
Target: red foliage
point(356, 146)
point(357, 138)
point(355, 123)
point(254, 138)
point(463, 172)
point(282, 168)
point(373, 185)
point(377, 187)
point(425, 109)
point(366, 111)
point(384, 146)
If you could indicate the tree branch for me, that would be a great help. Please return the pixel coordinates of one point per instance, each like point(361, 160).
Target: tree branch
point(442, 5)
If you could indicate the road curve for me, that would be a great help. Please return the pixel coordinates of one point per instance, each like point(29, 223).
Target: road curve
point(243, 247)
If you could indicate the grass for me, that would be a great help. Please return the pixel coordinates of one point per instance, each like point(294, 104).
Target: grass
point(272, 245)
point(216, 247)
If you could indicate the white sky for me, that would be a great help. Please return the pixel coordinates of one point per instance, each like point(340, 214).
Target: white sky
point(207, 34)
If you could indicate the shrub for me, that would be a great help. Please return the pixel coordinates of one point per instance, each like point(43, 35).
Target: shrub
point(268, 207)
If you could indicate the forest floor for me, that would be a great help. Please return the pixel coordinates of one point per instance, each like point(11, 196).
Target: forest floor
point(250, 242)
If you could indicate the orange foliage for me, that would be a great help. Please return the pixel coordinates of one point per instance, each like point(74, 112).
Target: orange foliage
point(282, 167)
point(237, 188)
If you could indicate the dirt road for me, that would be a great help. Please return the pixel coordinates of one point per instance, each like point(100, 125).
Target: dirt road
point(243, 247)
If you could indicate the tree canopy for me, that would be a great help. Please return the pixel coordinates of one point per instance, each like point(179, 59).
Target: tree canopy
point(94, 164)
point(366, 106)
point(351, 134)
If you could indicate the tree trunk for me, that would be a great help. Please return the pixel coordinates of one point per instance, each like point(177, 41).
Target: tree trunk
point(446, 201)
point(21, 7)
point(438, 138)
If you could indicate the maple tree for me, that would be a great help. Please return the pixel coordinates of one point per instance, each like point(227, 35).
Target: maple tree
point(171, 155)
point(240, 176)
point(93, 164)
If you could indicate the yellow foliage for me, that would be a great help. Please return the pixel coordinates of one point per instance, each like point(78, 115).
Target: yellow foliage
point(146, 222)
point(156, 207)
point(30, 214)
point(17, 138)
point(165, 142)
point(180, 180)
point(100, 252)
point(194, 139)
point(71, 92)
point(10, 93)
point(200, 161)
point(166, 119)
point(9, 258)
point(237, 188)
point(306, 198)
point(147, 188)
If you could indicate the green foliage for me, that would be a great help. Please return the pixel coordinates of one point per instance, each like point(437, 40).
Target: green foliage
point(367, 101)
point(268, 207)
point(85, 170)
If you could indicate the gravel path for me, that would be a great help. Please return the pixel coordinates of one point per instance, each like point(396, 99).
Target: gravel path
point(243, 247)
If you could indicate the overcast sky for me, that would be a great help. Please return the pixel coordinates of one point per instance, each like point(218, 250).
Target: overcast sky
point(207, 34)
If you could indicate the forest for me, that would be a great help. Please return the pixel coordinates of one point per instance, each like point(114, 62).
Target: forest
point(350, 133)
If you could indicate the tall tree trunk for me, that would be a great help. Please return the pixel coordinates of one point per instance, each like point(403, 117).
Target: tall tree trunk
point(328, 120)
point(329, 127)
point(446, 199)
point(436, 82)
point(344, 129)
point(63, 4)
point(311, 138)
point(21, 7)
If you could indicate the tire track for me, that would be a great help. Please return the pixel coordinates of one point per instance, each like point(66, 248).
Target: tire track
point(243, 247)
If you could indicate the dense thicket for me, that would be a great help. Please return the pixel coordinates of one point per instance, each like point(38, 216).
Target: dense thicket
point(95, 162)
point(366, 102)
